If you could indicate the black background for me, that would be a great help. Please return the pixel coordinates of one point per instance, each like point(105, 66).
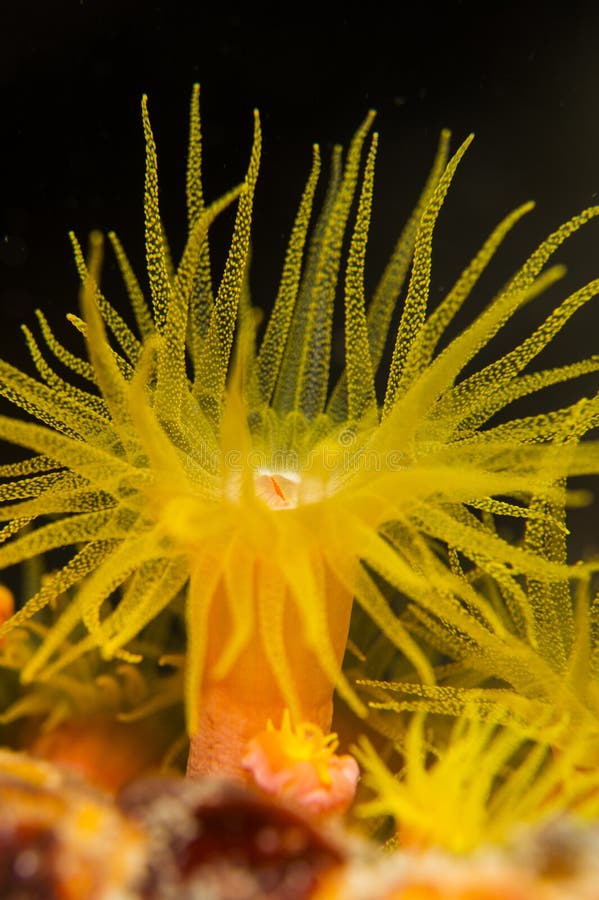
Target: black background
point(523, 76)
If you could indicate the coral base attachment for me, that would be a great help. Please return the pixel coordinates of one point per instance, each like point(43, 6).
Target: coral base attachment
point(167, 837)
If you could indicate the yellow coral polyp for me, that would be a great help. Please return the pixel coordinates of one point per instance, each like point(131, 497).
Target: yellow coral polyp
point(205, 460)
point(476, 789)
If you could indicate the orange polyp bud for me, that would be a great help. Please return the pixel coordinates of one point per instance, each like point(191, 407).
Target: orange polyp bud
point(7, 603)
point(299, 765)
point(106, 752)
point(7, 607)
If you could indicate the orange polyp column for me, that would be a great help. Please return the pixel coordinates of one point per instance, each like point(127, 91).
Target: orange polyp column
point(234, 709)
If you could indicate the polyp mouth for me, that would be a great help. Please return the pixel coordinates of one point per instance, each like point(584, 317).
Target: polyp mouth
point(279, 490)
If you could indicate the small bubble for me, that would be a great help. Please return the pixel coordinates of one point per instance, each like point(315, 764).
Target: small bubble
point(267, 841)
point(299, 878)
point(26, 864)
point(13, 250)
point(294, 840)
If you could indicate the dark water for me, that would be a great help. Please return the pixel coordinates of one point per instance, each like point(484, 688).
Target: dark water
point(523, 76)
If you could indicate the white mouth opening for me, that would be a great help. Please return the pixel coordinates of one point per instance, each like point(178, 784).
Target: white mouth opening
point(279, 490)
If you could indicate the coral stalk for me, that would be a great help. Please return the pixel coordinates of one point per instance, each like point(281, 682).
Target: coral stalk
point(235, 702)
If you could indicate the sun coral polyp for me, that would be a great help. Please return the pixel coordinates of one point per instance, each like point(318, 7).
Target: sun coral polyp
point(203, 462)
point(300, 765)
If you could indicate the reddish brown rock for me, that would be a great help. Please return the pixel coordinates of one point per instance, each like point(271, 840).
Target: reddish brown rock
point(219, 839)
point(62, 840)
